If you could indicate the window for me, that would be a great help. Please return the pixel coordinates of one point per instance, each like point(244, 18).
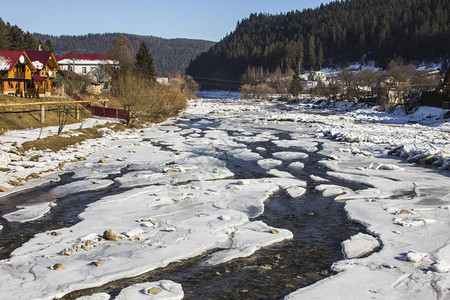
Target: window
point(84, 70)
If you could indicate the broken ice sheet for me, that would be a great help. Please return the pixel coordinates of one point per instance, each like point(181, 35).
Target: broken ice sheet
point(359, 245)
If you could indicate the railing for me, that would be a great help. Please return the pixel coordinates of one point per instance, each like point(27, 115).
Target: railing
point(19, 75)
point(72, 95)
point(99, 110)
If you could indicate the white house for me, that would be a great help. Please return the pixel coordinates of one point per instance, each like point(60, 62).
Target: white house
point(82, 64)
point(317, 76)
point(87, 64)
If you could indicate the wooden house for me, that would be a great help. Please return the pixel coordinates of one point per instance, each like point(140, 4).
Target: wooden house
point(16, 72)
point(46, 68)
point(391, 91)
point(317, 76)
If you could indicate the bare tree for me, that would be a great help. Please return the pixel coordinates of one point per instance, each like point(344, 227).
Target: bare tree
point(143, 97)
point(368, 77)
point(347, 77)
point(424, 81)
point(129, 91)
point(121, 51)
point(399, 71)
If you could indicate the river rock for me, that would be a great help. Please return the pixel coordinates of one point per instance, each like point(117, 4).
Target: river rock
point(57, 267)
point(32, 176)
point(4, 189)
point(65, 252)
point(110, 235)
point(153, 291)
point(96, 264)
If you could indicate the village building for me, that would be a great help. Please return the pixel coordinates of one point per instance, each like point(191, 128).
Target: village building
point(46, 68)
point(391, 91)
point(89, 65)
point(317, 76)
point(82, 64)
point(163, 80)
point(16, 70)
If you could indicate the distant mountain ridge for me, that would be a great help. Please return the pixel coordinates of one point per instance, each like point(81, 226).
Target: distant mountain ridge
point(171, 55)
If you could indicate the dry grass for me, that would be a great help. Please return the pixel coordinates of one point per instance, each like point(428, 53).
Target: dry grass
point(59, 142)
point(28, 116)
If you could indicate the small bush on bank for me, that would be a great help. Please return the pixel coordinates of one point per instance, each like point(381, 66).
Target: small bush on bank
point(260, 91)
point(146, 99)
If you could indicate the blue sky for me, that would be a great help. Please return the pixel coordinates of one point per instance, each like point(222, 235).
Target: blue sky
point(195, 19)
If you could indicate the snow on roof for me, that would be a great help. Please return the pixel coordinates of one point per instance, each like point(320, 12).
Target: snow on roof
point(82, 57)
point(39, 58)
point(10, 58)
point(84, 61)
point(38, 65)
point(4, 63)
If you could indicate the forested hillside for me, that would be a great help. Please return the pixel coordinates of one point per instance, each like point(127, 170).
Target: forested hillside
point(334, 34)
point(14, 38)
point(171, 55)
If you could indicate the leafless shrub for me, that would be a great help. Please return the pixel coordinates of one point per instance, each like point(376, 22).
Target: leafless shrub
point(147, 99)
point(259, 91)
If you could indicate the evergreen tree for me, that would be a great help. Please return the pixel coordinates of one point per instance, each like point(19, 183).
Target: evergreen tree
point(320, 56)
point(301, 56)
point(4, 40)
point(296, 87)
point(339, 32)
point(30, 43)
point(48, 46)
point(16, 38)
point(144, 62)
point(312, 51)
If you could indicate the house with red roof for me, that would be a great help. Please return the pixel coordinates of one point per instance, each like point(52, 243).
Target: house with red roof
point(87, 64)
point(82, 64)
point(46, 67)
point(16, 71)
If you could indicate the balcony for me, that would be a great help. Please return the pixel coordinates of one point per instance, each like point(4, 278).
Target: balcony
point(19, 75)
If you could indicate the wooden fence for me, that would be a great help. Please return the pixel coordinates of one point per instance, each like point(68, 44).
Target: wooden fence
point(100, 111)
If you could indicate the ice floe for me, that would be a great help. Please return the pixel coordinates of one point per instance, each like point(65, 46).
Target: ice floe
point(269, 163)
point(163, 289)
point(290, 155)
point(359, 245)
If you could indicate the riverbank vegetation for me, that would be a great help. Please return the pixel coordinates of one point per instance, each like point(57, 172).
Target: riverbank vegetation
point(134, 86)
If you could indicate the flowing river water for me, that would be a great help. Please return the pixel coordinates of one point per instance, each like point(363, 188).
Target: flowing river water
point(318, 224)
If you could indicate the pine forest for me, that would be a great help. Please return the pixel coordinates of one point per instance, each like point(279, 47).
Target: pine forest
point(335, 34)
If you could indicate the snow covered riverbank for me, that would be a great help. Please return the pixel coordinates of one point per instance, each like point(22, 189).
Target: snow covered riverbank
point(179, 200)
